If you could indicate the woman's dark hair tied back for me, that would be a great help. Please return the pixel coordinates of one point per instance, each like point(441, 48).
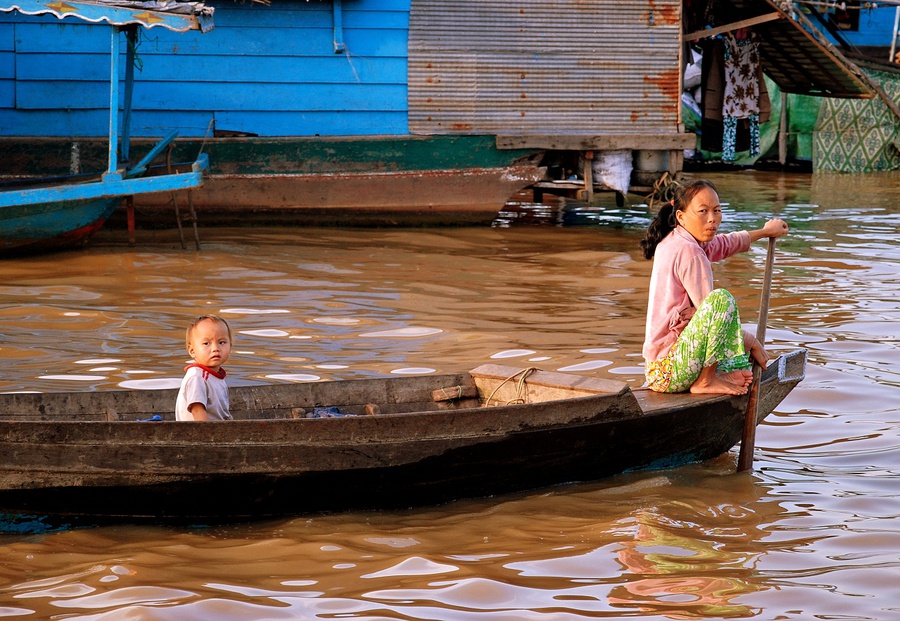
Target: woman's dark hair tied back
point(661, 226)
point(670, 209)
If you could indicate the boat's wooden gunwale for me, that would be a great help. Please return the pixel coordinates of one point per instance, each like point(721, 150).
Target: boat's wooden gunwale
point(392, 395)
point(390, 427)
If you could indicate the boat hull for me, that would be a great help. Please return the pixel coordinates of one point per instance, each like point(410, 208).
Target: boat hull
point(251, 469)
point(417, 198)
point(360, 181)
point(453, 469)
point(52, 226)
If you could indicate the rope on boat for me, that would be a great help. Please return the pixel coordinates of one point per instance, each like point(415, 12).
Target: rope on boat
point(520, 387)
point(450, 397)
point(210, 129)
point(663, 191)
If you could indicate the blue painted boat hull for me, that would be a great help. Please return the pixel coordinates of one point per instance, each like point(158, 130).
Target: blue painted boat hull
point(52, 226)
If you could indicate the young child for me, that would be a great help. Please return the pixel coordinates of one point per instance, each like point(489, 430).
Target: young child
point(204, 393)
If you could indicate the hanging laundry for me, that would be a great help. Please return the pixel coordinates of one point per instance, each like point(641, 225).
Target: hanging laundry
point(742, 91)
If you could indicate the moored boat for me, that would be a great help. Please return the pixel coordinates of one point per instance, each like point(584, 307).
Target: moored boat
point(357, 444)
point(55, 225)
point(45, 213)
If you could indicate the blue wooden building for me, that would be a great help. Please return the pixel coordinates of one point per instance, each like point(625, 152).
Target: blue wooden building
point(266, 70)
point(868, 27)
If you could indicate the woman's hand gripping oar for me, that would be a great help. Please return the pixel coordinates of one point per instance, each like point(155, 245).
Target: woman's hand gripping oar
point(748, 439)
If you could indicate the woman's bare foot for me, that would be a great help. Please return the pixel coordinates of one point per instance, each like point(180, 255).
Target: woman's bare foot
point(731, 383)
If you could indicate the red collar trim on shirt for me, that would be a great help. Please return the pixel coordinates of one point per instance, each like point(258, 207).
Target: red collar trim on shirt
point(207, 371)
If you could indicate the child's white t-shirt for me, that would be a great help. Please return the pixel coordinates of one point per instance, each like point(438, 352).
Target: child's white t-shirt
point(201, 386)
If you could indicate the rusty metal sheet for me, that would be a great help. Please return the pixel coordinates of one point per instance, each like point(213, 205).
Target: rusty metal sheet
point(176, 16)
point(538, 67)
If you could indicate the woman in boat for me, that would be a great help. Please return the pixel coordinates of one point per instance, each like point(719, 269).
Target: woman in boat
point(694, 340)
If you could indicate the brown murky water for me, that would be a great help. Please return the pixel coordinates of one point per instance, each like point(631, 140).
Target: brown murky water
point(813, 532)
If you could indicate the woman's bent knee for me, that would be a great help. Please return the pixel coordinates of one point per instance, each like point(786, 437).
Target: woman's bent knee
point(720, 295)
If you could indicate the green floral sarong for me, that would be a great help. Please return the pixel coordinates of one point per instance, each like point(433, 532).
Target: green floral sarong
point(713, 336)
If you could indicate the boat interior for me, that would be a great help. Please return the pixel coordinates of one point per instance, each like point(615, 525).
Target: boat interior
point(488, 385)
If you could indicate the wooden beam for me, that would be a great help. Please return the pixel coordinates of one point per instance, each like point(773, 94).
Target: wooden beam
point(744, 23)
point(608, 142)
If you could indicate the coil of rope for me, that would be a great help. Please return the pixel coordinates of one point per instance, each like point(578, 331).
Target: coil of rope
point(520, 387)
point(663, 191)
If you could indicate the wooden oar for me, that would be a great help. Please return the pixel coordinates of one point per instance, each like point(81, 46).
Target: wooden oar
point(748, 440)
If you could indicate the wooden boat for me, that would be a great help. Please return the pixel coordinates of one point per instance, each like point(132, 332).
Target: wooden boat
point(399, 442)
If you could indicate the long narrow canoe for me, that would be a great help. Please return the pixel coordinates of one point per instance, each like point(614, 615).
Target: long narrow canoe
point(372, 443)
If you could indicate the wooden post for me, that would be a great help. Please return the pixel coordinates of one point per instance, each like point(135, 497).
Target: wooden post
point(896, 33)
point(129, 212)
point(113, 164)
point(589, 176)
point(782, 131)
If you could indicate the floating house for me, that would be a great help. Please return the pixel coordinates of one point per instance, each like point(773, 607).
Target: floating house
point(827, 133)
point(392, 111)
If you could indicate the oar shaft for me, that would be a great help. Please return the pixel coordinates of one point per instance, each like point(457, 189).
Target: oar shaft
point(766, 290)
point(748, 439)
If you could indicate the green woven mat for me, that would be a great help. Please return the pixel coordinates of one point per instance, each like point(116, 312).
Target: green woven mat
point(858, 135)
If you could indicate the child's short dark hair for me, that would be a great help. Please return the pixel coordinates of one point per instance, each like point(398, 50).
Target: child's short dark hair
point(193, 324)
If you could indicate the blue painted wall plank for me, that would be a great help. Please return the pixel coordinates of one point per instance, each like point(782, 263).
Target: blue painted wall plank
point(248, 41)
point(78, 67)
point(265, 70)
point(320, 16)
point(379, 5)
point(7, 98)
point(158, 123)
point(334, 69)
point(211, 96)
point(7, 66)
point(95, 123)
point(322, 123)
point(7, 37)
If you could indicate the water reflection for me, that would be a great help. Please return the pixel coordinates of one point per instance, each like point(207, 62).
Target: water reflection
point(478, 294)
point(634, 545)
point(667, 571)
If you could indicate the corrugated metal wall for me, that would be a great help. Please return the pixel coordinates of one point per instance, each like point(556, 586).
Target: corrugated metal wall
point(544, 67)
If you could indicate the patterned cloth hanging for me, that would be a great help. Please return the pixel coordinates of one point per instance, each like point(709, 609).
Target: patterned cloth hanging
point(742, 91)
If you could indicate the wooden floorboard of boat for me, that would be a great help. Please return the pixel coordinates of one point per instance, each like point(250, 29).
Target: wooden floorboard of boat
point(654, 401)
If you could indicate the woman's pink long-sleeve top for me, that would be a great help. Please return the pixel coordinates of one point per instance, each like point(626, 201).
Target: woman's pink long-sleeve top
point(681, 279)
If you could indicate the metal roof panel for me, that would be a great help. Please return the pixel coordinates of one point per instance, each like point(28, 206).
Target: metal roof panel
point(177, 16)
